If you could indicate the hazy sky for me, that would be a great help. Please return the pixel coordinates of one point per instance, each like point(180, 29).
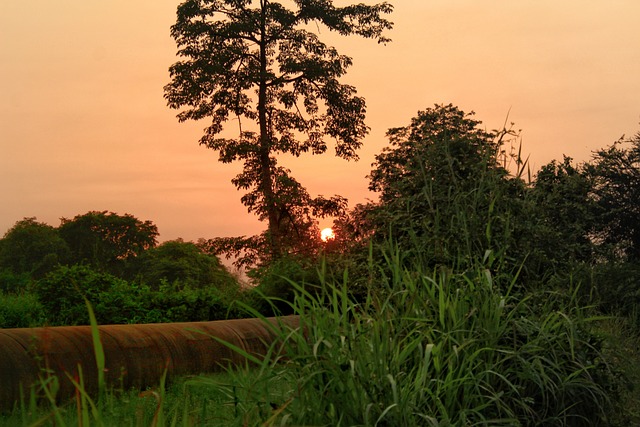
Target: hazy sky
point(84, 126)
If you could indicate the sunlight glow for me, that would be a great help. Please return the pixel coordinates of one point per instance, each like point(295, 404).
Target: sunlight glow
point(327, 234)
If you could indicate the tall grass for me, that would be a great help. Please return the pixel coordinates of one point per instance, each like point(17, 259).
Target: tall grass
point(424, 348)
point(430, 348)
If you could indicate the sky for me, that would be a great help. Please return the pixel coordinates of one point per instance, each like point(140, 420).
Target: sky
point(84, 125)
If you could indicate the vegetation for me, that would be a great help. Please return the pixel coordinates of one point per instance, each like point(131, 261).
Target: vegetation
point(31, 249)
point(105, 240)
point(428, 347)
point(526, 317)
point(261, 65)
point(113, 261)
point(470, 293)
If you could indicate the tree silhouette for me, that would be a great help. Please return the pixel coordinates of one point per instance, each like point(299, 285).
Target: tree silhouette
point(257, 62)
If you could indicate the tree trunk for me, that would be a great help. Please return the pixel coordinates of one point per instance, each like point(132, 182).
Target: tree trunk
point(266, 180)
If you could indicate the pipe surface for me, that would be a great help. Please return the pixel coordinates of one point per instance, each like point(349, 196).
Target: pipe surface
point(136, 356)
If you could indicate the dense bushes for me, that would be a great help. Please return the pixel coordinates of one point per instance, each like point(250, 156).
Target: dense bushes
point(181, 264)
point(112, 260)
point(20, 311)
point(117, 301)
point(62, 291)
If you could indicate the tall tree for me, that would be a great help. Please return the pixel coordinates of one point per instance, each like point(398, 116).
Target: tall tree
point(258, 62)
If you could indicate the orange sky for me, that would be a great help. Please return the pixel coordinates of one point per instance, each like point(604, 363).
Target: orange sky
point(84, 126)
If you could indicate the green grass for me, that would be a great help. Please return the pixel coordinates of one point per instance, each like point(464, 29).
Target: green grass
point(440, 348)
point(423, 348)
point(622, 349)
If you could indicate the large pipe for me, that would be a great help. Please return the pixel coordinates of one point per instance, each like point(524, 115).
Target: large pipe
point(136, 356)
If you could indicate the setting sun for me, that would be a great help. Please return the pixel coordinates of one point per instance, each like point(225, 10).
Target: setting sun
point(327, 234)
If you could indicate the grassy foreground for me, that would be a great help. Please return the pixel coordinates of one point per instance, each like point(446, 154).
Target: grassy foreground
point(427, 348)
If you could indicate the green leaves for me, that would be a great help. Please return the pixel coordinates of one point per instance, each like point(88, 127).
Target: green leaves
point(443, 190)
point(432, 347)
point(106, 239)
point(32, 248)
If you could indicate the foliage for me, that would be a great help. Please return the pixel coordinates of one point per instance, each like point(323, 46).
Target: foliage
point(62, 294)
point(171, 304)
point(443, 142)
point(445, 194)
point(565, 213)
point(116, 301)
point(181, 263)
point(33, 248)
point(435, 347)
point(105, 240)
point(431, 347)
point(20, 311)
point(614, 287)
point(13, 283)
point(273, 293)
point(616, 171)
point(262, 66)
point(622, 344)
point(353, 230)
point(301, 239)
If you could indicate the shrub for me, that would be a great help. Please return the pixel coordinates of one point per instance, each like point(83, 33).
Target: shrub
point(117, 301)
point(61, 294)
point(12, 283)
point(176, 304)
point(20, 311)
point(274, 283)
point(613, 287)
point(183, 262)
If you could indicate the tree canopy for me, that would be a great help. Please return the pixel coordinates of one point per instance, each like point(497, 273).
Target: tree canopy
point(616, 172)
point(32, 247)
point(106, 239)
point(442, 184)
point(258, 63)
point(183, 264)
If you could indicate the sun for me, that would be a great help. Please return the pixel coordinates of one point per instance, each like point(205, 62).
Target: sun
point(327, 234)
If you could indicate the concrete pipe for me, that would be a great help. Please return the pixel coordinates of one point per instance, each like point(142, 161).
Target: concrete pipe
point(136, 356)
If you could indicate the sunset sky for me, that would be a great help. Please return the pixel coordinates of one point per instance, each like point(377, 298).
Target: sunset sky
point(84, 126)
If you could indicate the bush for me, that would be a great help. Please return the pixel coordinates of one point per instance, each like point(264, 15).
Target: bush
point(13, 283)
point(274, 283)
point(172, 303)
point(614, 287)
point(20, 311)
point(61, 294)
point(117, 301)
point(181, 262)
